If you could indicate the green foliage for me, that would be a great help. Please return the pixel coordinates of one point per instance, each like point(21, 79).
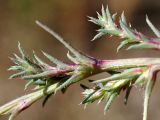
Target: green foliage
point(124, 73)
point(132, 39)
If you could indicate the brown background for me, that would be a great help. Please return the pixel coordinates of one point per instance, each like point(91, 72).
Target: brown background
point(69, 18)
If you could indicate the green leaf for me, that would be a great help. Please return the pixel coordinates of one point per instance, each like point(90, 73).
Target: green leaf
point(110, 21)
point(60, 39)
point(28, 84)
point(123, 18)
point(154, 29)
point(74, 78)
point(127, 30)
point(128, 90)
point(100, 34)
point(114, 16)
point(21, 50)
point(87, 99)
point(39, 82)
point(55, 61)
point(140, 46)
point(127, 74)
point(72, 58)
point(141, 79)
point(108, 31)
point(39, 75)
point(109, 100)
point(99, 16)
point(40, 62)
point(16, 68)
point(104, 16)
point(96, 21)
point(124, 44)
point(116, 85)
point(19, 74)
point(19, 60)
point(46, 99)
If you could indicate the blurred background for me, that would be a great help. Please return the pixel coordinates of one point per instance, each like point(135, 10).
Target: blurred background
point(69, 19)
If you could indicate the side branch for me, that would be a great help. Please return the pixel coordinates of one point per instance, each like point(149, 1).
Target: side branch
point(132, 39)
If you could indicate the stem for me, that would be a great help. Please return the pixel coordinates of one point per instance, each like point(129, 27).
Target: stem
point(25, 101)
point(127, 63)
point(148, 91)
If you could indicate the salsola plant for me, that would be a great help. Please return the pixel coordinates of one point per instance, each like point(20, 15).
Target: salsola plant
point(124, 73)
